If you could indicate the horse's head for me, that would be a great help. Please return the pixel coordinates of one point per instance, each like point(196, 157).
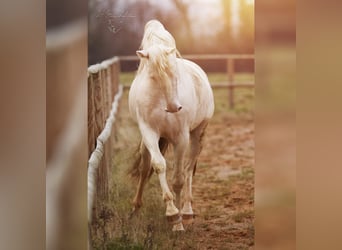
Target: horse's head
point(161, 63)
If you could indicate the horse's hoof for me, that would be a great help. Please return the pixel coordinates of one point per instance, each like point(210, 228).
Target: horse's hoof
point(178, 227)
point(174, 219)
point(188, 219)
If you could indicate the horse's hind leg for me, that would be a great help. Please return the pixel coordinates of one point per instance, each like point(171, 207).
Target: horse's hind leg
point(178, 173)
point(144, 170)
point(195, 148)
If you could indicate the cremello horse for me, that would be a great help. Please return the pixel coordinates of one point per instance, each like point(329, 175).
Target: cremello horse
point(172, 102)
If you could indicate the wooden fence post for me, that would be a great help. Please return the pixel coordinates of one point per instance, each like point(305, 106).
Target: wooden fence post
point(230, 69)
point(109, 87)
point(91, 116)
point(98, 110)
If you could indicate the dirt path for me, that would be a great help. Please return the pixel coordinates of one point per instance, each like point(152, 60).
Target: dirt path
point(224, 185)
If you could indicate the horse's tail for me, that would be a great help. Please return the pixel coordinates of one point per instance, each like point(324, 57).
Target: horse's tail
point(134, 170)
point(200, 141)
point(137, 166)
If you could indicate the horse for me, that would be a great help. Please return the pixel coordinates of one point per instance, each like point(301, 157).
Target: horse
point(172, 102)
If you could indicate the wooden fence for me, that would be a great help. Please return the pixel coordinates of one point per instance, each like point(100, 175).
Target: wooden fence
point(103, 93)
point(229, 59)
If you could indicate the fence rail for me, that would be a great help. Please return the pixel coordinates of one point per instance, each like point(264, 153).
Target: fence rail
point(103, 96)
point(230, 66)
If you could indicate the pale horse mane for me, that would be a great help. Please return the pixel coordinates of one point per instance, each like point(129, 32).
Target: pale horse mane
point(155, 33)
point(160, 62)
point(158, 41)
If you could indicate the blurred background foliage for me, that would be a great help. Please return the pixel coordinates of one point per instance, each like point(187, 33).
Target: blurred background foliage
point(199, 27)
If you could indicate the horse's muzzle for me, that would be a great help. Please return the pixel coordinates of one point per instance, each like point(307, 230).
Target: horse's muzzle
point(173, 109)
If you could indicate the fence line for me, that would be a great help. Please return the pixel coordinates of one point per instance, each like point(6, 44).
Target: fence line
point(104, 93)
point(230, 62)
point(96, 156)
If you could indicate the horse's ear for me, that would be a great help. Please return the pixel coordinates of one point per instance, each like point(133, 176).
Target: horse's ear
point(142, 53)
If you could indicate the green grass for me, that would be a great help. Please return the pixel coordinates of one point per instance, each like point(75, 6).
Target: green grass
point(126, 78)
point(223, 77)
point(148, 229)
point(122, 244)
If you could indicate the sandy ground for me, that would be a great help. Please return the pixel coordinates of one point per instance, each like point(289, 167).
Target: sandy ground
point(224, 185)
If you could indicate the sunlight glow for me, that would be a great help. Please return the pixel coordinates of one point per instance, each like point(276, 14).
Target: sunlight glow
point(235, 17)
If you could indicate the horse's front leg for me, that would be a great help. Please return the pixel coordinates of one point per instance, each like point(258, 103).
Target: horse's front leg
point(151, 139)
